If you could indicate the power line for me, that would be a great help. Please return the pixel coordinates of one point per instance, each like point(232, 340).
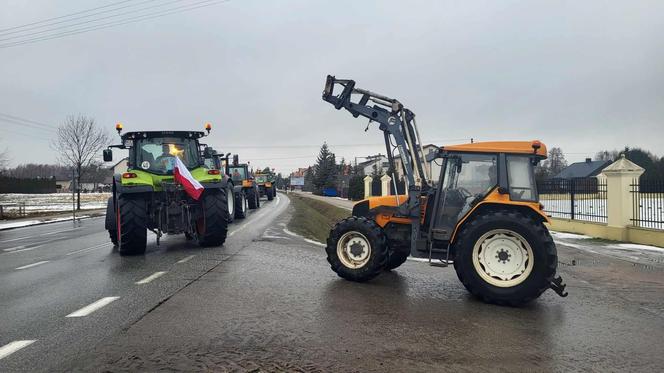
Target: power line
point(87, 21)
point(166, 12)
point(23, 124)
point(318, 146)
point(64, 16)
point(15, 118)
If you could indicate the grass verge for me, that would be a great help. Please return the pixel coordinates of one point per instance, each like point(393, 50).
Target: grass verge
point(313, 219)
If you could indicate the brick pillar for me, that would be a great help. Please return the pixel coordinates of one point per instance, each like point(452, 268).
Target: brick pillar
point(619, 175)
point(367, 186)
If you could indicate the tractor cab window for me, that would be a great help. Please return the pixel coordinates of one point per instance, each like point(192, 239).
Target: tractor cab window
point(466, 180)
point(157, 155)
point(521, 178)
point(261, 178)
point(238, 173)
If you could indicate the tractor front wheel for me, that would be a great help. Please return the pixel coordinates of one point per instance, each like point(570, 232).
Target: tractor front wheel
point(253, 197)
point(357, 249)
point(231, 205)
point(132, 224)
point(505, 257)
point(269, 192)
point(212, 226)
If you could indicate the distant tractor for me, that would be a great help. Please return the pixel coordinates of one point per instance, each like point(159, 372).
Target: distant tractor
point(166, 189)
point(266, 182)
point(482, 213)
point(241, 175)
point(222, 162)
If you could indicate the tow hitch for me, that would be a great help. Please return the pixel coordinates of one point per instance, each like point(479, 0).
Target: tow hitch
point(558, 286)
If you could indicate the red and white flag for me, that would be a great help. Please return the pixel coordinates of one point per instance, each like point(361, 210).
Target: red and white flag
point(182, 175)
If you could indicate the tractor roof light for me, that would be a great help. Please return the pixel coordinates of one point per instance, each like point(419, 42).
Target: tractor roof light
point(536, 144)
point(208, 127)
point(118, 127)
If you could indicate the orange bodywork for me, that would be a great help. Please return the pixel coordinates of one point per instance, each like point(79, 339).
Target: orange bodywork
point(511, 147)
point(388, 216)
point(496, 197)
point(247, 184)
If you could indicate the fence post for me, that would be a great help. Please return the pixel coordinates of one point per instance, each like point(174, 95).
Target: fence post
point(385, 185)
point(572, 192)
point(620, 205)
point(367, 186)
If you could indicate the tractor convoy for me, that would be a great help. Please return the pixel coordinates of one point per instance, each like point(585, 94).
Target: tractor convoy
point(174, 184)
point(481, 213)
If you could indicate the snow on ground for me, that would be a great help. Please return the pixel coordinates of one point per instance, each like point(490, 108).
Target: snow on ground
point(563, 235)
point(51, 202)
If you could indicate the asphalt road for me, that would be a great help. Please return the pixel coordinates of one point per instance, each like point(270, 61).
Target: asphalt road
point(267, 301)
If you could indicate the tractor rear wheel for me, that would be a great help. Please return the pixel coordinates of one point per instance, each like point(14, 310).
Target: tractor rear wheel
point(357, 249)
point(132, 223)
point(505, 257)
point(212, 226)
point(252, 198)
point(240, 206)
point(395, 258)
point(269, 193)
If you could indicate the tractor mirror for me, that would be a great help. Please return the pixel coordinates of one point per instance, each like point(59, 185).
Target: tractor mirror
point(208, 152)
point(108, 155)
point(329, 86)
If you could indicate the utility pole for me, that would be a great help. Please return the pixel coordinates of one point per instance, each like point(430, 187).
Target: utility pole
point(73, 194)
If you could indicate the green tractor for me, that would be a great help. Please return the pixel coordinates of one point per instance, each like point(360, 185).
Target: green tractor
point(166, 189)
point(239, 204)
point(267, 185)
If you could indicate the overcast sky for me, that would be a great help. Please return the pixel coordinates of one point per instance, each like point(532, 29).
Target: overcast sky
point(581, 75)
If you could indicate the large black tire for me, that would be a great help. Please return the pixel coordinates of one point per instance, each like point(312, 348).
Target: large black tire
point(212, 227)
point(240, 206)
point(111, 223)
point(270, 193)
point(133, 231)
point(232, 206)
point(395, 258)
point(507, 223)
point(367, 262)
point(252, 198)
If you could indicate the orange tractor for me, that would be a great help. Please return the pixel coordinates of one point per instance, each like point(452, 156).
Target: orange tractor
point(482, 213)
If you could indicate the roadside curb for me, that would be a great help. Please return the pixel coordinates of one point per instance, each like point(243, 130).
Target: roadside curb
point(53, 221)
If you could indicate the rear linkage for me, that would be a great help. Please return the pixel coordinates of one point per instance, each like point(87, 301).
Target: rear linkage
point(558, 286)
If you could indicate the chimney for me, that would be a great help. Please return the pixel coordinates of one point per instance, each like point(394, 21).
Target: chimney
point(588, 160)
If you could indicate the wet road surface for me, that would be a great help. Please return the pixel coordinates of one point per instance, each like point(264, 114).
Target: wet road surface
point(267, 301)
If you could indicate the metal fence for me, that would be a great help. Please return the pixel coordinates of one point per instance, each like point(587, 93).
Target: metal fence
point(648, 203)
point(577, 199)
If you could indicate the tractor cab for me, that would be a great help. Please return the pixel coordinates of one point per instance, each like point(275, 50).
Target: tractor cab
point(486, 173)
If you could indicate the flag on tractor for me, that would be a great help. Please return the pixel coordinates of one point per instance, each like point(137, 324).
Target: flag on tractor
point(183, 176)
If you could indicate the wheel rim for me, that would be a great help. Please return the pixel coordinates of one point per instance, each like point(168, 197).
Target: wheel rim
point(503, 258)
point(354, 249)
point(230, 203)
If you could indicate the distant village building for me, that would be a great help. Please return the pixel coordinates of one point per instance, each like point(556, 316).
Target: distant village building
point(374, 164)
point(586, 169)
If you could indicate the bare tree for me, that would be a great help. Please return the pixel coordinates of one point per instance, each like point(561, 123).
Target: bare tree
point(79, 141)
point(4, 159)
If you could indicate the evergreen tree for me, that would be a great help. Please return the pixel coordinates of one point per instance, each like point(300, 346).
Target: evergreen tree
point(325, 170)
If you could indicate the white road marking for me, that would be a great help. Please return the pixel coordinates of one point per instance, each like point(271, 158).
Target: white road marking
point(90, 308)
point(38, 235)
point(185, 259)
point(33, 264)
point(16, 250)
point(303, 238)
point(12, 347)
point(97, 247)
point(276, 203)
point(150, 278)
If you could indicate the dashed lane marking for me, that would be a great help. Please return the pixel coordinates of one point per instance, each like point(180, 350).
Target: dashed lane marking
point(20, 249)
point(38, 235)
point(90, 308)
point(33, 264)
point(96, 247)
point(185, 259)
point(151, 278)
point(12, 347)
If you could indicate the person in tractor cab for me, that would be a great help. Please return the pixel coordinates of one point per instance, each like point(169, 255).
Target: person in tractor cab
point(236, 174)
point(166, 161)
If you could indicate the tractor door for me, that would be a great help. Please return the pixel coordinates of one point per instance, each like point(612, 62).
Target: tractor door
point(466, 179)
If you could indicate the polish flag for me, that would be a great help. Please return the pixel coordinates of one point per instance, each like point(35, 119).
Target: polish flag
point(182, 175)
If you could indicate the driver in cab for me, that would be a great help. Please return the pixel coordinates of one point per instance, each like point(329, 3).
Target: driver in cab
point(166, 161)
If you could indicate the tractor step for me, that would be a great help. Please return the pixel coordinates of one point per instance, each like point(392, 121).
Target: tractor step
point(438, 263)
